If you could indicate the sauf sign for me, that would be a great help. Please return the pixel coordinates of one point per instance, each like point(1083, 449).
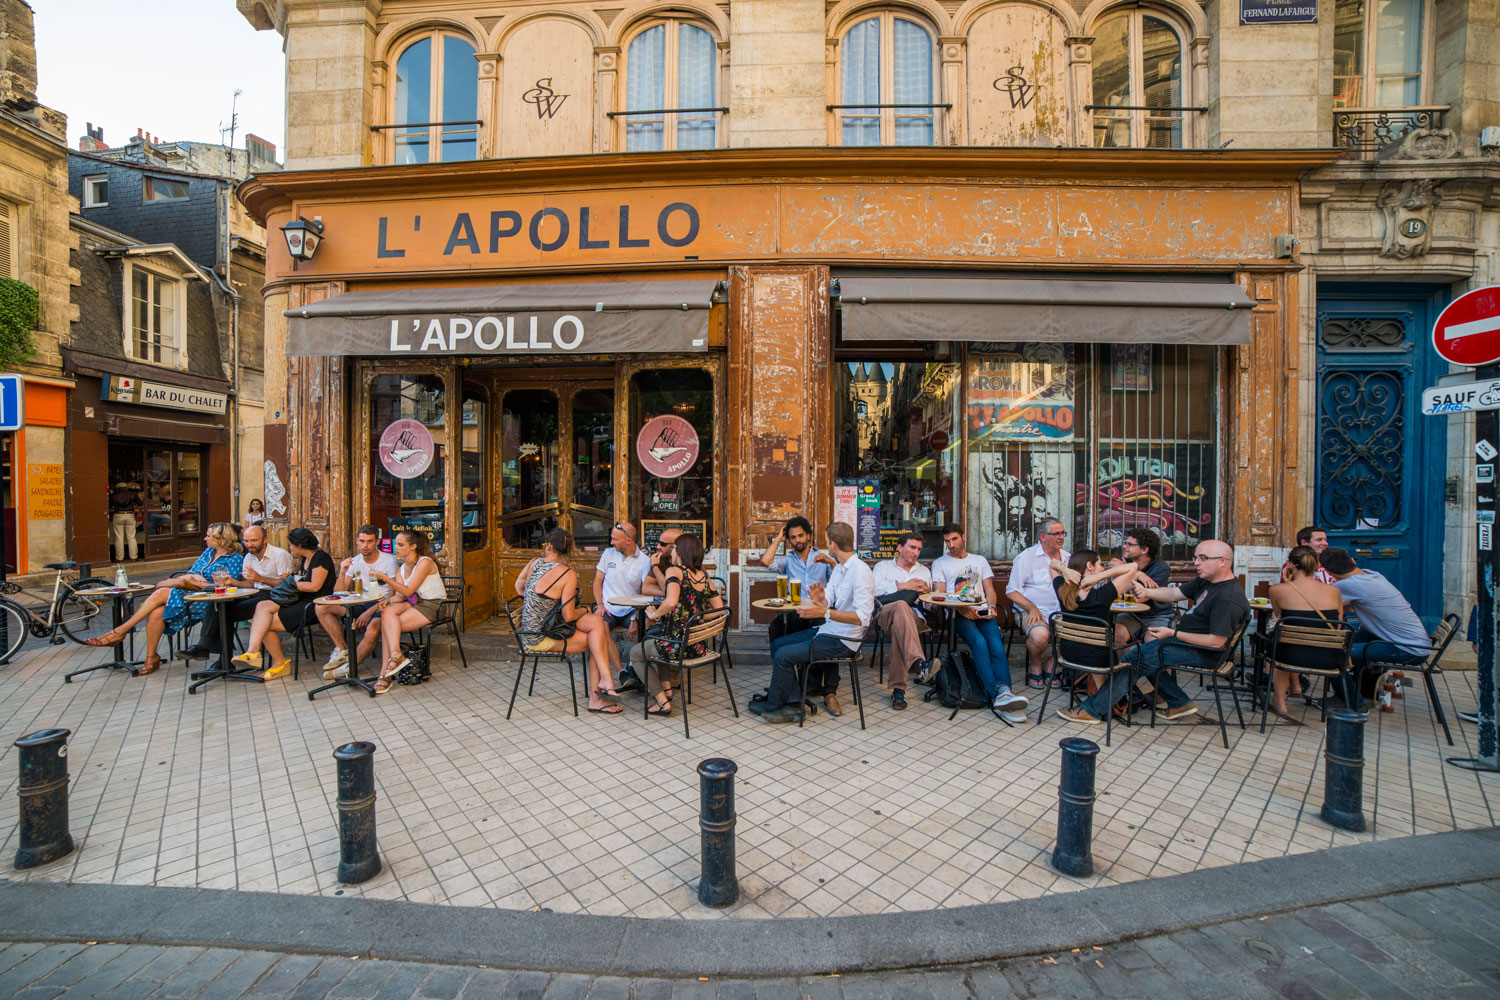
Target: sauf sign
point(486, 334)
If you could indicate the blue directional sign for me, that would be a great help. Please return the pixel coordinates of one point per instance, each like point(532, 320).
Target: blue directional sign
point(12, 403)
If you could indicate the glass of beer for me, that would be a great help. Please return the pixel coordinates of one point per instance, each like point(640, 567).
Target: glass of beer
point(781, 588)
point(221, 580)
point(796, 589)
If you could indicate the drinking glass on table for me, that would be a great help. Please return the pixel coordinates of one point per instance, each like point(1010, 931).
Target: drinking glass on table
point(221, 580)
point(796, 590)
point(781, 588)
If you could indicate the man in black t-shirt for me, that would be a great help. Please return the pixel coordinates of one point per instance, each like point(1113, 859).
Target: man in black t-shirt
point(1220, 610)
point(1142, 546)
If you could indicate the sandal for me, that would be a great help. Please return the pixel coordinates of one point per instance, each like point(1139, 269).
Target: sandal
point(105, 640)
point(383, 685)
point(393, 667)
point(608, 710)
point(661, 705)
point(1035, 680)
point(151, 665)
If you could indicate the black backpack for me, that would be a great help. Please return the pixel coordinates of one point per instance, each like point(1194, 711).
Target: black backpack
point(957, 683)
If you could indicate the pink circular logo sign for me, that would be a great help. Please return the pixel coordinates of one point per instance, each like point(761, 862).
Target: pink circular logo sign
point(667, 446)
point(406, 449)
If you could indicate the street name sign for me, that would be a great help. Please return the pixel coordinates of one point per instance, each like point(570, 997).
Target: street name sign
point(1440, 400)
point(1468, 331)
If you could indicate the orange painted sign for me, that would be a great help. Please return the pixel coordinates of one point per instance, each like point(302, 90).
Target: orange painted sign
point(46, 500)
point(1084, 223)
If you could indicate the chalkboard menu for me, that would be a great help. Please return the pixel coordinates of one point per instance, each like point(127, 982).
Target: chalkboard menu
point(652, 530)
point(885, 547)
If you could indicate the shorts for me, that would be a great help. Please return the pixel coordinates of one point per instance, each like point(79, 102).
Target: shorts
point(427, 608)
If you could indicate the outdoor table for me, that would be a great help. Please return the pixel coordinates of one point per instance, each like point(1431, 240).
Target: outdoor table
point(123, 597)
point(224, 671)
point(640, 602)
point(347, 600)
point(1262, 612)
point(947, 603)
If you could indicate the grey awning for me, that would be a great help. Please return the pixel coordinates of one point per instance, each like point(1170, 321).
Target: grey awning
point(590, 318)
point(1066, 310)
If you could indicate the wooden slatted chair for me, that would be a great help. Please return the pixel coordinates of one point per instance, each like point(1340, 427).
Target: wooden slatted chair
point(1085, 645)
point(708, 627)
point(1302, 645)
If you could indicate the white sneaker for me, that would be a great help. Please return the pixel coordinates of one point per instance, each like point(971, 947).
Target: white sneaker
point(340, 672)
point(1015, 718)
point(1009, 701)
point(336, 657)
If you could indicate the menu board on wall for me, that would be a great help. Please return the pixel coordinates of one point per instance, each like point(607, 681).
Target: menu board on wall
point(652, 530)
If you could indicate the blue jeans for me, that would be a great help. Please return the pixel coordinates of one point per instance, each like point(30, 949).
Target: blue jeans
point(982, 636)
point(1368, 648)
point(1150, 660)
point(791, 651)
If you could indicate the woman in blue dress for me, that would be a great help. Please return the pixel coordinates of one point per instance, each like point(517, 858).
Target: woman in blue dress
point(165, 611)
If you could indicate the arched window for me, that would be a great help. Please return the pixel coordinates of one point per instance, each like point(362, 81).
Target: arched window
point(437, 100)
point(1377, 53)
point(671, 58)
point(1138, 99)
point(886, 75)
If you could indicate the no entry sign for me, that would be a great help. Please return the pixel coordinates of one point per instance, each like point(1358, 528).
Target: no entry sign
point(1468, 331)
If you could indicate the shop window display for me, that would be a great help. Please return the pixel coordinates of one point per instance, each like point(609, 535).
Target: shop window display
point(672, 465)
point(408, 439)
point(898, 446)
point(529, 456)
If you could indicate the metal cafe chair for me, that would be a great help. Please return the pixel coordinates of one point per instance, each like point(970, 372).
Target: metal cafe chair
point(525, 641)
point(708, 627)
point(449, 615)
point(852, 658)
point(1312, 646)
point(1440, 638)
point(1217, 670)
point(1086, 646)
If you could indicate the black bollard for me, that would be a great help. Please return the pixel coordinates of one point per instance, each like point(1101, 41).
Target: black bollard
point(717, 885)
point(1344, 769)
point(1074, 853)
point(358, 859)
point(44, 798)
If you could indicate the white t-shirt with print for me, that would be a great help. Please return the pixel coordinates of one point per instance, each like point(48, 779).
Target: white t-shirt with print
point(951, 572)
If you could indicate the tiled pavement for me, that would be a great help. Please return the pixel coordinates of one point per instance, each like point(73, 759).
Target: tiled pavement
point(233, 788)
point(1436, 943)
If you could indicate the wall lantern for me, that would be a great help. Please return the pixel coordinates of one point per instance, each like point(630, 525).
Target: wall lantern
point(302, 237)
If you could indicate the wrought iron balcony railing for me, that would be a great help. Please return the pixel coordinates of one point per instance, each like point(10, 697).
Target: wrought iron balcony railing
point(1363, 132)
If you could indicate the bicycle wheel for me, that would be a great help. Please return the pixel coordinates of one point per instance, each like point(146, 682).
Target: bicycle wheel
point(82, 618)
point(12, 630)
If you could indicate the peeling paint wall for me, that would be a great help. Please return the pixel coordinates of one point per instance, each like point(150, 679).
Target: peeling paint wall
point(1018, 78)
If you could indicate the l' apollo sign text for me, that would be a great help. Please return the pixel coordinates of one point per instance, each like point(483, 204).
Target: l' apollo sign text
point(486, 333)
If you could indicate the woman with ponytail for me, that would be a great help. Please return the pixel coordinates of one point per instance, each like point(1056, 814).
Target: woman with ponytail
point(1301, 596)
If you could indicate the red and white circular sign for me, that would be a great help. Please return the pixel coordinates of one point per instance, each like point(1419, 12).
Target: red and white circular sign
point(1468, 331)
point(667, 446)
point(938, 440)
point(406, 448)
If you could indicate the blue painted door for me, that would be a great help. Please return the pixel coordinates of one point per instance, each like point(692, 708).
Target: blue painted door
point(1380, 463)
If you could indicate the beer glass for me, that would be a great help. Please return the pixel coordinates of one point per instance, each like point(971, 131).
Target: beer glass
point(221, 580)
point(796, 589)
point(781, 588)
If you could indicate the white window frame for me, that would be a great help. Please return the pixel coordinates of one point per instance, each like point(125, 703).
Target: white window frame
point(671, 52)
point(1368, 79)
point(887, 17)
point(1135, 45)
point(90, 198)
point(178, 288)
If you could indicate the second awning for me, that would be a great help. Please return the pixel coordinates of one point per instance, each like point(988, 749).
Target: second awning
point(585, 318)
point(1065, 310)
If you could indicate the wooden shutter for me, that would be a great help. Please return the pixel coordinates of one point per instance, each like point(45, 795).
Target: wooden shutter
point(7, 240)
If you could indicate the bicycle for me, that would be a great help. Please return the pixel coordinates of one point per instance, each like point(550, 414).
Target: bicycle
point(79, 618)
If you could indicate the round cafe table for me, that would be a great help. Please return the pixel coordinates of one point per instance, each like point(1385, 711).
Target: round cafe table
point(640, 602)
point(348, 600)
point(946, 603)
point(122, 598)
point(225, 670)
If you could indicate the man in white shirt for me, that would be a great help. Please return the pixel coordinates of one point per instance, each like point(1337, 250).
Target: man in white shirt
point(847, 605)
point(899, 580)
point(355, 573)
point(265, 565)
point(1030, 590)
point(961, 571)
point(621, 570)
point(1316, 539)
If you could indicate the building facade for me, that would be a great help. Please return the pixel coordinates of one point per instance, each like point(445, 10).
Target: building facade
point(902, 264)
point(34, 250)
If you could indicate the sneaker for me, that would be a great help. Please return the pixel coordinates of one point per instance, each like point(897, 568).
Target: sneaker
point(247, 659)
point(1178, 713)
point(927, 670)
point(898, 699)
point(1078, 715)
point(629, 680)
point(276, 671)
point(1009, 701)
point(1015, 718)
point(340, 672)
point(335, 659)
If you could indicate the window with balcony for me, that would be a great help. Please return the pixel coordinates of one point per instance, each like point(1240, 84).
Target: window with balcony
point(679, 59)
point(1138, 83)
point(1377, 53)
point(436, 112)
point(886, 83)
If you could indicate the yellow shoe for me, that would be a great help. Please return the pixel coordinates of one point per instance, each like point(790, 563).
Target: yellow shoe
point(276, 671)
point(247, 659)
